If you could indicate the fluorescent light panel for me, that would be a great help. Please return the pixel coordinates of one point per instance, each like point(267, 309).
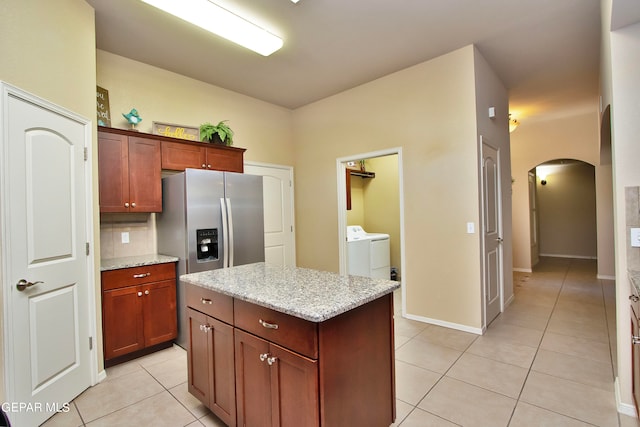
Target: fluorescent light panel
point(219, 21)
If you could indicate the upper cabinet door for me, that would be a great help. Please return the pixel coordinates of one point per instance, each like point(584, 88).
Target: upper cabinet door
point(113, 172)
point(145, 180)
point(129, 173)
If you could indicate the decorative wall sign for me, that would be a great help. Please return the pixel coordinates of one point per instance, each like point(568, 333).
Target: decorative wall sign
point(176, 131)
point(104, 114)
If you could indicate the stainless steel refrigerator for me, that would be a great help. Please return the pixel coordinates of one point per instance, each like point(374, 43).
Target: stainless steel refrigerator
point(209, 220)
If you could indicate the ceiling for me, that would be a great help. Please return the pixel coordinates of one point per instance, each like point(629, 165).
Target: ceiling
point(546, 52)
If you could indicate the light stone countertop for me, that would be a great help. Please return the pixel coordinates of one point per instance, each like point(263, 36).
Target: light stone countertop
point(135, 261)
point(305, 293)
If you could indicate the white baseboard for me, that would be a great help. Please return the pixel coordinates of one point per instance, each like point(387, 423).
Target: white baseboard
point(605, 277)
point(102, 375)
point(457, 326)
point(523, 270)
point(623, 408)
point(568, 256)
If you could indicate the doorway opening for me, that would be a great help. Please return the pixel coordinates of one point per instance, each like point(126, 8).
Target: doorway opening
point(374, 200)
point(562, 210)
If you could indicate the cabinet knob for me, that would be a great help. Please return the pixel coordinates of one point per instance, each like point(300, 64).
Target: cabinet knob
point(635, 339)
point(271, 360)
point(139, 294)
point(205, 328)
point(146, 292)
point(268, 325)
point(126, 204)
point(264, 356)
point(133, 205)
point(634, 298)
point(208, 166)
point(204, 166)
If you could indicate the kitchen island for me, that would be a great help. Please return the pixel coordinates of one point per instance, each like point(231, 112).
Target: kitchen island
point(286, 346)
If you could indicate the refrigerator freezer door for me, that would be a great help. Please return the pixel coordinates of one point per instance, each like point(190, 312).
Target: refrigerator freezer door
point(244, 193)
point(203, 192)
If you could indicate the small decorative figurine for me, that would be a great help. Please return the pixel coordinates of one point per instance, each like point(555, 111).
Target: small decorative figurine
point(132, 117)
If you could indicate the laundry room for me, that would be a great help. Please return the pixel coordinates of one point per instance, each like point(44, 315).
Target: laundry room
point(373, 214)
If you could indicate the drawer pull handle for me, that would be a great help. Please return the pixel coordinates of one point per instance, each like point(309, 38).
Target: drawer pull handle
point(268, 325)
point(264, 356)
point(142, 275)
point(206, 301)
point(271, 360)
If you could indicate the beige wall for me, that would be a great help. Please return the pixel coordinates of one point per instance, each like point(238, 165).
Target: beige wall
point(48, 49)
point(533, 143)
point(430, 111)
point(159, 95)
point(567, 210)
point(624, 63)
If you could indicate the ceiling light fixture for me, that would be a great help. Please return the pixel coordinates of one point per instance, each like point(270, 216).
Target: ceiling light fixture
point(219, 21)
point(513, 123)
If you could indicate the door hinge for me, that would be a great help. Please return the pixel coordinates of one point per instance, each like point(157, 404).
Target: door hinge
point(90, 343)
point(87, 248)
point(86, 154)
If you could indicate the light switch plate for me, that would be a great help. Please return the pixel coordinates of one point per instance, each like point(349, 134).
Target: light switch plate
point(471, 228)
point(635, 237)
point(125, 236)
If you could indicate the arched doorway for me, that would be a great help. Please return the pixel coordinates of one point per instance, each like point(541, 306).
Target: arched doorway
point(562, 210)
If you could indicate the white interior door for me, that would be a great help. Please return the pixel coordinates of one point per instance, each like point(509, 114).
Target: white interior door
point(45, 277)
point(279, 236)
point(491, 229)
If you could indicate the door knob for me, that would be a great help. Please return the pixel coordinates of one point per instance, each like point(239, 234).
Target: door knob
point(23, 284)
point(499, 239)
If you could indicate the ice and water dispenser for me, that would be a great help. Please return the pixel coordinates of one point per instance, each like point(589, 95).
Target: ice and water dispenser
point(207, 244)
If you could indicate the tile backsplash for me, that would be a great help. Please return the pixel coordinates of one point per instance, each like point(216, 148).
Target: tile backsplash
point(142, 236)
point(632, 212)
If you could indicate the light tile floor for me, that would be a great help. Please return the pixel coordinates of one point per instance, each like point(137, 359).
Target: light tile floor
point(546, 361)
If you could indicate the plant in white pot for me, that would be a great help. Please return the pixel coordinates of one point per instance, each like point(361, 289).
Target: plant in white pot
point(217, 134)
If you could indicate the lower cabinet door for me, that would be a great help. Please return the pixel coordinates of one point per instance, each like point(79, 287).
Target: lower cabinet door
point(159, 308)
point(253, 381)
point(198, 358)
point(274, 386)
point(122, 321)
point(294, 389)
point(211, 365)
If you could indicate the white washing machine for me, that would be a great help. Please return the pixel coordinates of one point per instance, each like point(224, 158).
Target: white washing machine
point(368, 253)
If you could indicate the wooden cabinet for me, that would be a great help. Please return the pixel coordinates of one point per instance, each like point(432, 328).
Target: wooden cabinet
point(275, 386)
point(138, 308)
point(182, 155)
point(129, 173)
point(293, 372)
point(211, 365)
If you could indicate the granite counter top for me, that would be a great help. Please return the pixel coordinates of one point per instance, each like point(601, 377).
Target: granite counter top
point(305, 293)
point(135, 261)
point(634, 276)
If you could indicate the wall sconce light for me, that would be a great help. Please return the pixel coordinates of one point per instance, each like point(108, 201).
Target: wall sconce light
point(543, 182)
point(513, 123)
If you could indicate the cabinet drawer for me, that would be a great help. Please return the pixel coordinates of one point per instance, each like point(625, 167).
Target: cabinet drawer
point(114, 279)
point(291, 332)
point(210, 302)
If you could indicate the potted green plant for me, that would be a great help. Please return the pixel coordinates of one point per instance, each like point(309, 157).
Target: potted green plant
point(219, 134)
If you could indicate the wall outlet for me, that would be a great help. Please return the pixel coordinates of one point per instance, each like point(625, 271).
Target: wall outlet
point(635, 237)
point(125, 236)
